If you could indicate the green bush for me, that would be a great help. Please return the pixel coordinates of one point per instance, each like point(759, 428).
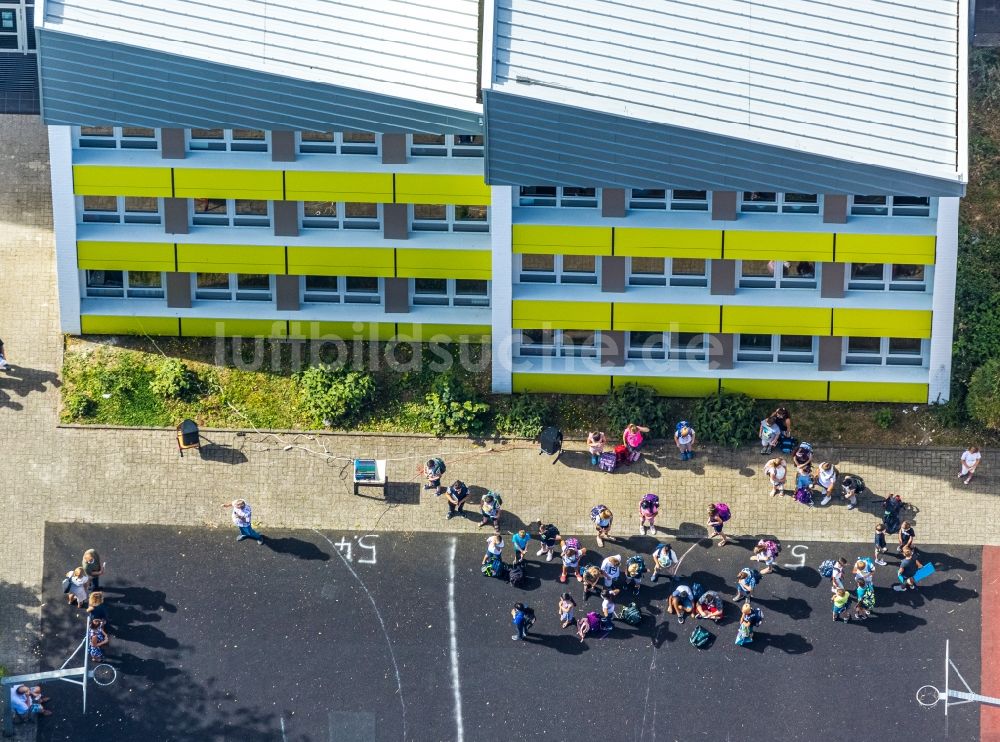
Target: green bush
point(335, 396)
point(983, 399)
point(452, 408)
point(525, 416)
point(79, 405)
point(725, 419)
point(122, 377)
point(884, 417)
point(631, 403)
point(173, 379)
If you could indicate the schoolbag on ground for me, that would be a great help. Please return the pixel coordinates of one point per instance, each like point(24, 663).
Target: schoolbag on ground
point(607, 462)
point(723, 510)
point(701, 637)
point(595, 512)
point(650, 503)
point(491, 567)
point(697, 590)
point(631, 615)
point(621, 454)
point(826, 568)
point(515, 574)
point(804, 495)
point(550, 440)
point(787, 444)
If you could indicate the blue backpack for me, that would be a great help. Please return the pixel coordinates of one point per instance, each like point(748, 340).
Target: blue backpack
point(682, 424)
point(826, 568)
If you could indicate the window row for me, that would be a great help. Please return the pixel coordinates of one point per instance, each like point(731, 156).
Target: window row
point(749, 202)
point(312, 289)
point(692, 346)
point(585, 269)
point(257, 140)
point(254, 213)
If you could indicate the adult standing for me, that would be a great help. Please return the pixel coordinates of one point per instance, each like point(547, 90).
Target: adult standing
point(783, 420)
point(802, 458)
point(776, 473)
point(242, 519)
point(633, 437)
point(76, 584)
point(98, 639)
point(826, 480)
point(97, 607)
point(94, 568)
point(456, 495)
point(970, 461)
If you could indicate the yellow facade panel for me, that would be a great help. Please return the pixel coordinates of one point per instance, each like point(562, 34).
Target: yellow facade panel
point(863, 391)
point(206, 327)
point(95, 324)
point(221, 183)
point(776, 320)
point(100, 180)
point(545, 239)
point(668, 243)
point(319, 331)
point(894, 323)
point(666, 386)
point(666, 317)
point(886, 248)
point(418, 188)
point(561, 315)
point(351, 187)
point(442, 333)
point(421, 263)
point(341, 261)
point(231, 258)
point(776, 388)
point(814, 246)
point(561, 383)
point(136, 256)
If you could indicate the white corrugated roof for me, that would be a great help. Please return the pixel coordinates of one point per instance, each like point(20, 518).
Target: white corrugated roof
point(867, 81)
point(423, 50)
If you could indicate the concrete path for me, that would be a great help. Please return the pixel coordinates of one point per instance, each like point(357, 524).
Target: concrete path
point(135, 476)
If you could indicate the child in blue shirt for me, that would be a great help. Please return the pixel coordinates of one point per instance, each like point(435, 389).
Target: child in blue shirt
point(520, 541)
point(521, 617)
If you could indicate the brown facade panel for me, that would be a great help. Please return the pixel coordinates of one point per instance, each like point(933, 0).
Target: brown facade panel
point(724, 206)
point(721, 351)
point(831, 282)
point(178, 290)
point(175, 216)
point(834, 208)
point(282, 146)
point(612, 347)
point(612, 274)
point(397, 295)
point(172, 144)
point(394, 149)
point(613, 202)
point(286, 218)
point(286, 293)
point(395, 221)
point(830, 352)
point(723, 279)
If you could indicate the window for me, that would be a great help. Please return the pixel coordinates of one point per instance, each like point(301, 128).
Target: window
point(228, 140)
point(558, 269)
point(119, 209)
point(448, 217)
point(130, 284)
point(689, 346)
point(337, 214)
point(445, 145)
point(785, 203)
point(574, 343)
point(346, 289)
point(338, 142)
point(890, 206)
point(755, 274)
point(644, 198)
point(230, 212)
point(459, 292)
point(887, 277)
point(776, 348)
point(559, 196)
point(117, 137)
point(661, 271)
point(885, 351)
point(230, 286)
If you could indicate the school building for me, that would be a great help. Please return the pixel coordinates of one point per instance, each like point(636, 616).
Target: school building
point(757, 196)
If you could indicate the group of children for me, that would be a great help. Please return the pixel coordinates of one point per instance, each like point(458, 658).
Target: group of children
point(633, 439)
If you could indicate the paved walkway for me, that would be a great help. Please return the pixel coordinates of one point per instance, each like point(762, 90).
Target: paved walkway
point(127, 476)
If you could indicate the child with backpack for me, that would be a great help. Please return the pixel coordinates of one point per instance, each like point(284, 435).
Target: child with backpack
point(880, 546)
point(591, 578)
point(611, 569)
point(566, 607)
point(490, 508)
point(595, 443)
point(591, 622)
point(776, 473)
point(718, 514)
point(664, 558)
point(434, 469)
point(746, 581)
point(608, 606)
point(549, 536)
point(522, 617)
point(494, 548)
point(865, 594)
point(766, 551)
point(456, 495)
point(571, 554)
point(635, 568)
point(837, 574)
point(602, 517)
point(750, 618)
point(840, 600)
point(649, 506)
point(684, 438)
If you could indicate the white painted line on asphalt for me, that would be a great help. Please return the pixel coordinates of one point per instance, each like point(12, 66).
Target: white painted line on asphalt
point(378, 615)
point(283, 737)
point(678, 565)
point(456, 686)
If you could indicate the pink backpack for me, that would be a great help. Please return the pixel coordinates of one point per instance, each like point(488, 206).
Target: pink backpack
point(594, 621)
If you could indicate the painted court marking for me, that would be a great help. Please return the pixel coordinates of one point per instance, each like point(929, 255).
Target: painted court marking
point(456, 686)
point(796, 551)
